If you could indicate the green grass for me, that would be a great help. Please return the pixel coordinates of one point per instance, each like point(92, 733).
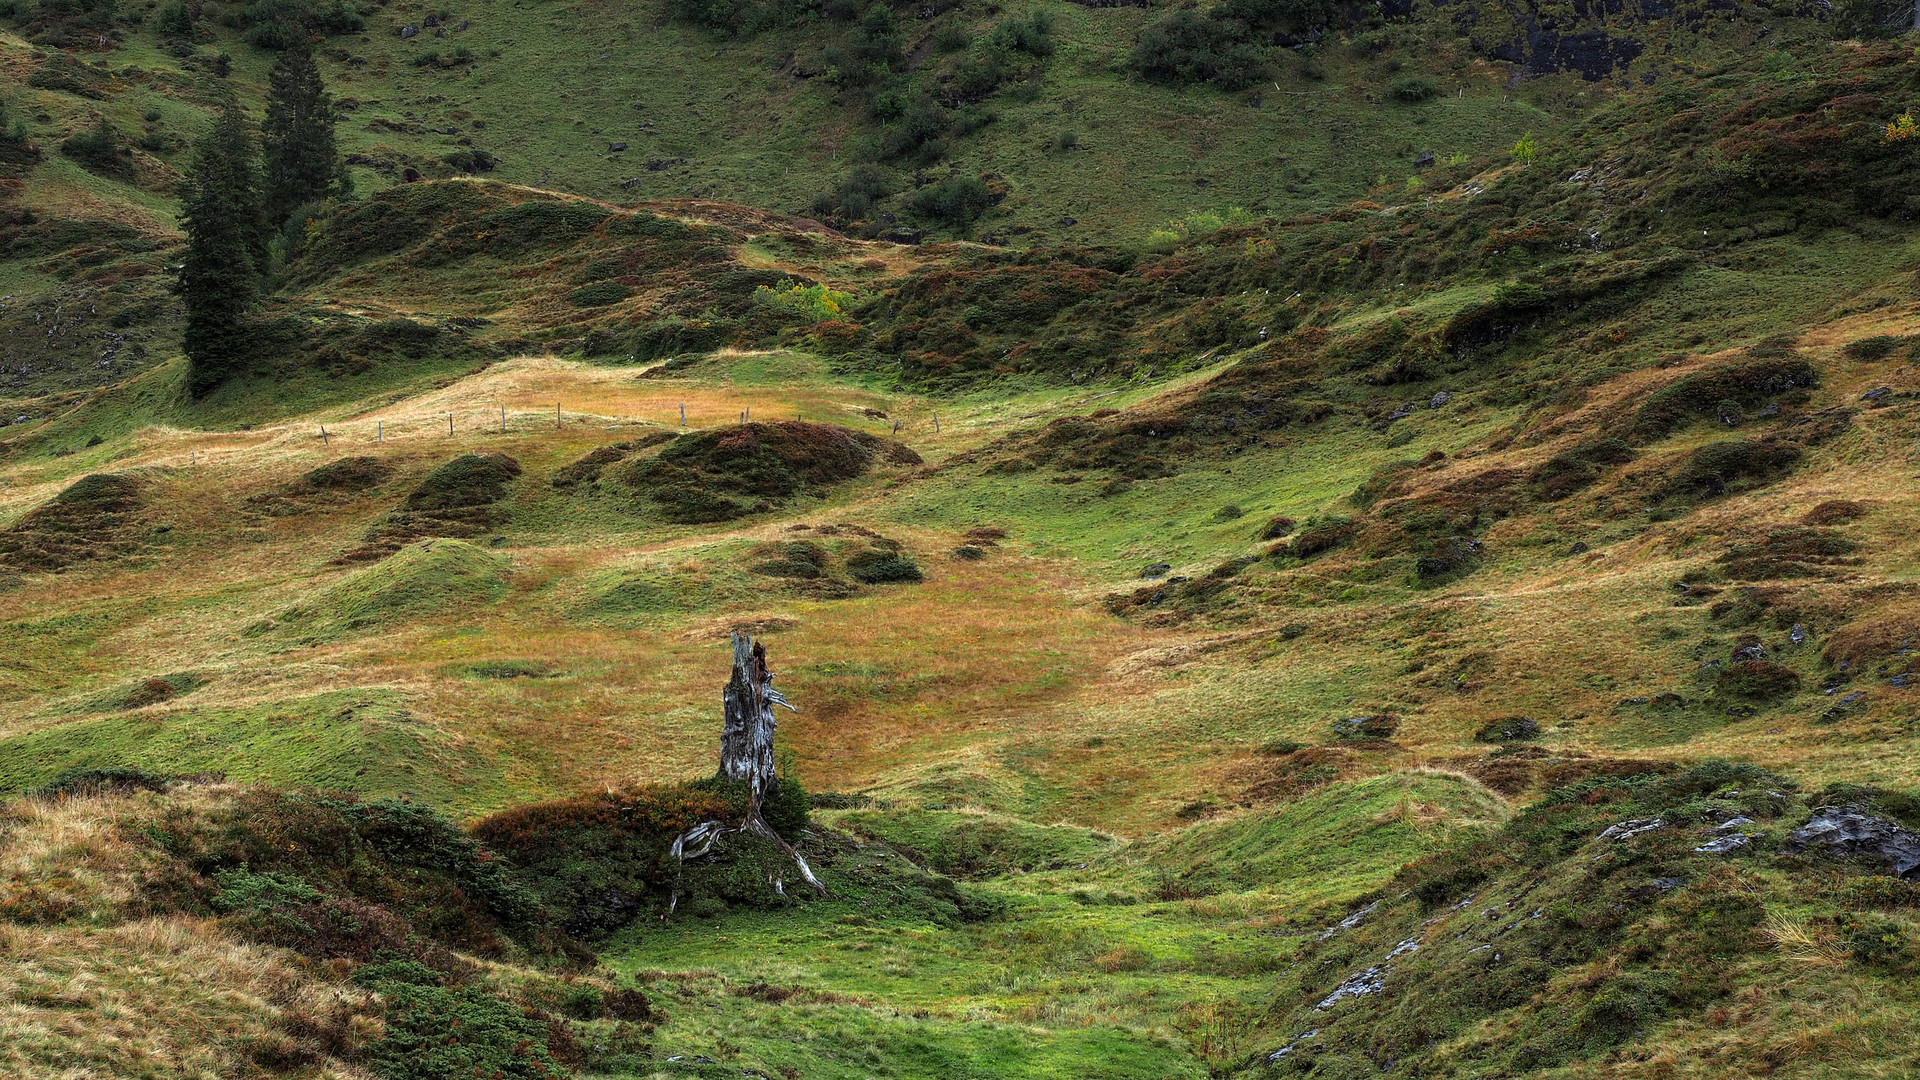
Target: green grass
point(363, 740)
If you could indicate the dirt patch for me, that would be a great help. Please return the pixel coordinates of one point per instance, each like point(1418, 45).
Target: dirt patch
point(96, 517)
point(458, 499)
point(751, 468)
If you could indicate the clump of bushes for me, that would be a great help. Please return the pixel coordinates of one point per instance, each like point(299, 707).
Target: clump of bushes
point(953, 202)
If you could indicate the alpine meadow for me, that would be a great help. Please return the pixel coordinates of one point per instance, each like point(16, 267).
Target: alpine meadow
point(962, 540)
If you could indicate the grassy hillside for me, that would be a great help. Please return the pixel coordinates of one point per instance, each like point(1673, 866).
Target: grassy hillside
point(1401, 625)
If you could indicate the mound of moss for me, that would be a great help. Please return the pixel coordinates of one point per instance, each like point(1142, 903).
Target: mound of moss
point(837, 563)
point(335, 481)
point(974, 845)
point(458, 499)
point(751, 468)
point(601, 860)
point(96, 517)
point(424, 579)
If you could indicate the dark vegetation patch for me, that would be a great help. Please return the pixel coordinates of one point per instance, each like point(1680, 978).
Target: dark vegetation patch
point(1789, 552)
point(835, 562)
point(335, 482)
point(601, 861)
point(330, 876)
point(459, 499)
point(325, 343)
point(1177, 600)
point(1725, 394)
point(587, 470)
point(751, 468)
point(96, 517)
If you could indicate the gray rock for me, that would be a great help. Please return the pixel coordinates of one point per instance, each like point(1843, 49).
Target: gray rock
point(1840, 709)
point(409, 31)
point(1158, 569)
point(614, 148)
point(1848, 831)
point(1797, 635)
point(1289, 1048)
point(1632, 827)
point(1424, 160)
point(1439, 399)
point(1726, 845)
point(1876, 395)
point(1579, 548)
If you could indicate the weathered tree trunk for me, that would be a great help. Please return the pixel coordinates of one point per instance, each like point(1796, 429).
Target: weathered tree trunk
point(746, 732)
point(746, 754)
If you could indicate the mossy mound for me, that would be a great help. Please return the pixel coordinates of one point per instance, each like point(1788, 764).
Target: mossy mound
point(835, 561)
point(96, 517)
point(458, 499)
point(338, 480)
point(421, 580)
point(586, 470)
point(979, 845)
point(751, 468)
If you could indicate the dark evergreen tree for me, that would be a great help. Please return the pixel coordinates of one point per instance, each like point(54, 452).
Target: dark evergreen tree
point(302, 164)
point(220, 276)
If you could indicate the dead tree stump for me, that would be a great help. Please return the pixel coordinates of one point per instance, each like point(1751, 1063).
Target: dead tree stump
point(746, 755)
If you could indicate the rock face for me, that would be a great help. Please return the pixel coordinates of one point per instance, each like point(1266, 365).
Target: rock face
point(1848, 831)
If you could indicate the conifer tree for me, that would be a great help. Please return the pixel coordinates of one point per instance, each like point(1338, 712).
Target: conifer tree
point(301, 163)
point(219, 279)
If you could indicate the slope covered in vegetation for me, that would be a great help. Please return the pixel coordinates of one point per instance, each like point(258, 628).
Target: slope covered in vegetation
point(1317, 611)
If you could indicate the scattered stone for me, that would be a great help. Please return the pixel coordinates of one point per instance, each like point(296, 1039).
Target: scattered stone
point(663, 164)
point(614, 148)
point(431, 21)
point(1157, 570)
point(1726, 845)
point(1876, 395)
point(1349, 922)
point(409, 31)
point(1797, 635)
point(1177, 579)
point(1579, 548)
point(1848, 831)
point(1424, 160)
point(1632, 827)
point(1439, 399)
point(1898, 680)
point(1288, 1049)
point(1667, 884)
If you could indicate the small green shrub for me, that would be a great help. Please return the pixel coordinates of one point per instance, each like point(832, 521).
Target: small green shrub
point(99, 149)
point(1414, 90)
point(880, 566)
point(599, 294)
point(954, 202)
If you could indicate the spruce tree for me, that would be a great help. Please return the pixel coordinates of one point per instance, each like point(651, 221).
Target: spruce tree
point(302, 165)
point(219, 279)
